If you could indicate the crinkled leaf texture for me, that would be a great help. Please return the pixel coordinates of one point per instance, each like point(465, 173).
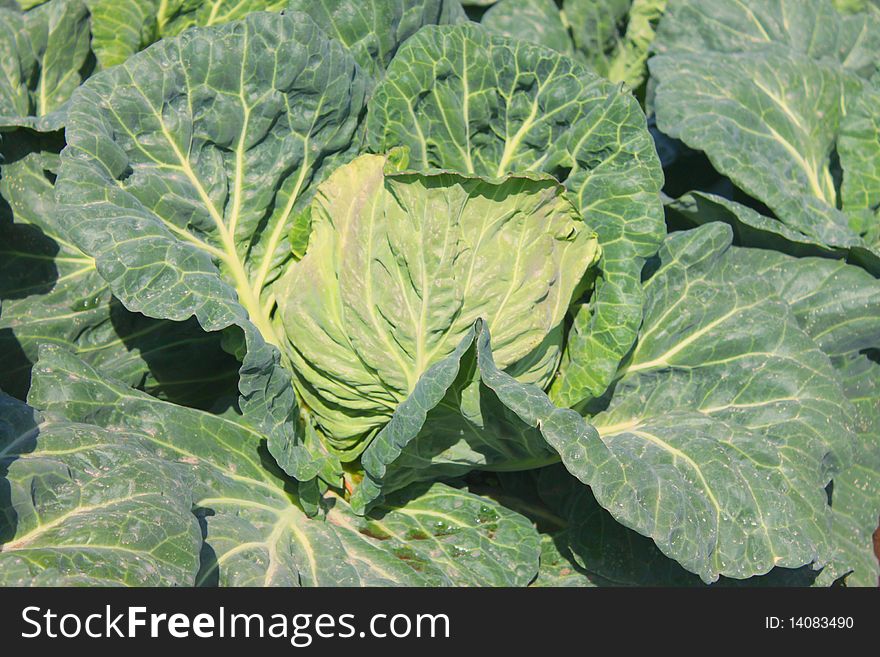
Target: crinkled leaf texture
point(753, 229)
point(783, 88)
point(838, 305)
point(87, 506)
point(255, 530)
point(730, 404)
point(120, 28)
point(184, 168)
point(43, 59)
point(722, 432)
point(52, 293)
point(588, 30)
point(373, 30)
point(463, 99)
point(398, 269)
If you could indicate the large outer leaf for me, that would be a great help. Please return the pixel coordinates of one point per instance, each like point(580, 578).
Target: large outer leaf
point(51, 292)
point(807, 27)
point(43, 55)
point(539, 21)
point(838, 305)
point(735, 418)
point(770, 92)
point(859, 149)
point(583, 544)
point(82, 505)
point(462, 99)
point(255, 531)
point(855, 497)
point(754, 113)
point(400, 266)
point(184, 168)
point(373, 30)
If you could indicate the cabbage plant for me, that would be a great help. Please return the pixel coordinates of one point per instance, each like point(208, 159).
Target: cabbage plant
point(400, 292)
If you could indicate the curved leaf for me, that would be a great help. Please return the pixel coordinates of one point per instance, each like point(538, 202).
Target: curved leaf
point(82, 505)
point(255, 530)
point(753, 229)
point(812, 28)
point(184, 168)
point(373, 30)
point(43, 56)
point(775, 92)
point(739, 496)
point(838, 305)
point(589, 30)
point(452, 422)
point(52, 293)
point(463, 99)
point(735, 419)
point(859, 149)
point(855, 499)
point(398, 269)
point(539, 21)
point(120, 28)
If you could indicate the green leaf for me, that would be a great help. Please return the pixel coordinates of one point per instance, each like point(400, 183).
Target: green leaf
point(591, 548)
point(810, 28)
point(121, 28)
point(43, 57)
point(184, 169)
point(255, 530)
point(753, 229)
point(672, 433)
point(730, 415)
point(836, 304)
point(465, 100)
point(855, 499)
point(453, 422)
point(372, 305)
point(612, 37)
point(52, 293)
point(859, 149)
point(373, 30)
point(594, 28)
point(178, 15)
point(539, 21)
point(776, 92)
point(82, 505)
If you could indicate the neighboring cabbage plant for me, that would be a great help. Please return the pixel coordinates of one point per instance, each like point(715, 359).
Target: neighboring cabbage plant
point(610, 36)
point(44, 56)
point(790, 87)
